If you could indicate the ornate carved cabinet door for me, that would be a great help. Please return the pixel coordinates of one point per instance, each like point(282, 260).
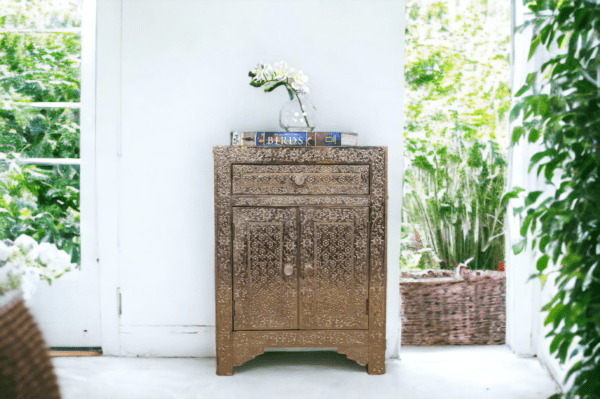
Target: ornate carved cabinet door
point(334, 268)
point(264, 268)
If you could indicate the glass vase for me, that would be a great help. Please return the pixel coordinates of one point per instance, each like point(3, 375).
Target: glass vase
point(298, 114)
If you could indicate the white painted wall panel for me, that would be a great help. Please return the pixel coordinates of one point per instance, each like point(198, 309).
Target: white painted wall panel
point(184, 67)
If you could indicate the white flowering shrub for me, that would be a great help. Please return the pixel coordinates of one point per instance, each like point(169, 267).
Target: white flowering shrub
point(24, 262)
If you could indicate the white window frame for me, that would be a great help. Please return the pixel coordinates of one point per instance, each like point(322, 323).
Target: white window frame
point(87, 126)
point(87, 161)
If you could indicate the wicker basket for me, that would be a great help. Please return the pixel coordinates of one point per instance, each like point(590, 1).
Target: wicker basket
point(25, 367)
point(440, 309)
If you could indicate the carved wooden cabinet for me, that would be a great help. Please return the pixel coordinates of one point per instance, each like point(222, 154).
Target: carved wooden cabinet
point(300, 252)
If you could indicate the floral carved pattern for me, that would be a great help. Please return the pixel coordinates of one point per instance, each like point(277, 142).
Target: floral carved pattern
point(264, 241)
point(301, 338)
point(300, 179)
point(334, 244)
point(235, 346)
point(291, 200)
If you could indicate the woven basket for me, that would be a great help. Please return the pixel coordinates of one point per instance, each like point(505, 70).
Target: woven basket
point(25, 367)
point(440, 309)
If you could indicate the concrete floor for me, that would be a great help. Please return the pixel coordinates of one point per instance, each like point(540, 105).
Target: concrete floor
point(432, 372)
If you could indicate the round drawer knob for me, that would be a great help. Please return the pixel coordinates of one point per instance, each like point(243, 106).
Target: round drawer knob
point(308, 270)
point(299, 180)
point(288, 270)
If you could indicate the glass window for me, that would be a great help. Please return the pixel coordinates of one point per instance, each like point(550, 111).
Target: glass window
point(40, 91)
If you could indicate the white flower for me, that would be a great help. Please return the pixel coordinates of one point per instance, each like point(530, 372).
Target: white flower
point(29, 282)
point(268, 72)
point(60, 263)
point(280, 70)
point(256, 71)
point(263, 72)
point(290, 72)
point(26, 243)
point(47, 253)
point(6, 251)
point(54, 259)
point(298, 80)
point(270, 76)
point(5, 270)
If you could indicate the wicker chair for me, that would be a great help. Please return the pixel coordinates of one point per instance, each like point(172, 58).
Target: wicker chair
point(25, 367)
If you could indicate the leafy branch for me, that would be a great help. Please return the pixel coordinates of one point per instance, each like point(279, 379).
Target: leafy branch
point(562, 113)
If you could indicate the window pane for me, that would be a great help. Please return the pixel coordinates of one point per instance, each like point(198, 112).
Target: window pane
point(38, 67)
point(42, 202)
point(40, 132)
point(40, 14)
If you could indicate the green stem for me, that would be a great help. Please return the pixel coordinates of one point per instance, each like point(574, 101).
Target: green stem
point(291, 93)
point(302, 108)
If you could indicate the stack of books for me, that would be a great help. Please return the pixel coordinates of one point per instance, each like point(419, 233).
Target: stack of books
point(293, 139)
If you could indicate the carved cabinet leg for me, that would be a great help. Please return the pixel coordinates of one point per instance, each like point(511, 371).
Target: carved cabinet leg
point(376, 361)
point(224, 365)
point(224, 354)
point(224, 369)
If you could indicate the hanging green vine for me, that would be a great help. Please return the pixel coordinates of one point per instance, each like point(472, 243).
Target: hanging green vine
point(563, 114)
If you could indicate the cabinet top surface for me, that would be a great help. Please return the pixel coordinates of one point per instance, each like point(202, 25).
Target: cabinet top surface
point(319, 148)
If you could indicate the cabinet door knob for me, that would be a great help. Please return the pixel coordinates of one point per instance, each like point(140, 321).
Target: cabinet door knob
point(308, 270)
point(299, 180)
point(288, 270)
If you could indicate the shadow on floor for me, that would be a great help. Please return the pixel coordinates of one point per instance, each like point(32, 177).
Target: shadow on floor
point(325, 359)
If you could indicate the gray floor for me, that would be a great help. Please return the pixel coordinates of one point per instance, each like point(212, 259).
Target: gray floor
point(423, 373)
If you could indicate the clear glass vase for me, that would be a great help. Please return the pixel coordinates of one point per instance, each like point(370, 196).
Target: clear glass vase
point(298, 114)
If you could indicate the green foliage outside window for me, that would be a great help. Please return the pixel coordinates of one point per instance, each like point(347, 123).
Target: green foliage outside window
point(457, 102)
point(560, 106)
point(40, 58)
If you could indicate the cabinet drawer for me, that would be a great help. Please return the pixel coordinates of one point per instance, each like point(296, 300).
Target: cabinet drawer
point(300, 179)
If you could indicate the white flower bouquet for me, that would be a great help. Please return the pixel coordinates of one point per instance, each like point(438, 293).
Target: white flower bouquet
point(279, 75)
point(270, 78)
point(24, 262)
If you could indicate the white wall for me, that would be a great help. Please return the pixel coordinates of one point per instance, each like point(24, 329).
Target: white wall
point(172, 83)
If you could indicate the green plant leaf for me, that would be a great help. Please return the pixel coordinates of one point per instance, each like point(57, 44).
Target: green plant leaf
point(518, 247)
point(543, 278)
point(554, 316)
point(514, 193)
point(555, 342)
point(532, 197)
point(542, 263)
point(516, 111)
point(571, 259)
point(522, 90)
point(544, 242)
point(535, 158)
point(517, 133)
point(525, 225)
point(534, 135)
